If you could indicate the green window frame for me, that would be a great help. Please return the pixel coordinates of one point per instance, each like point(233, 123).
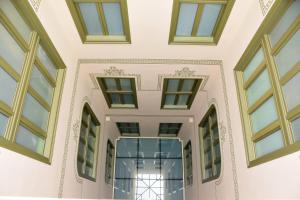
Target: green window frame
point(210, 149)
point(129, 128)
point(271, 126)
point(199, 13)
point(28, 119)
point(109, 164)
point(103, 19)
point(119, 92)
point(188, 163)
point(169, 129)
point(179, 93)
point(88, 145)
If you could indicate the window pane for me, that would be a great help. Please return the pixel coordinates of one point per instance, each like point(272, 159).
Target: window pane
point(3, 123)
point(285, 22)
point(91, 18)
point(41, 85)
point(188, 85)
point(44, 58)
point(27, 139)
point(254, 63)
point(125, 84)
point(183, 99)
point(291, 92)
point(10, 51)
point(258, 88)
point(115, 99)
point(170, 100)
point(296, 128)
point(110, 84)
point(208, 20)
point(186, 19)
point(173, 85)
point(113, 17)
point(268, 144)
point(289, 55)
point(8, 87)
point(13, 15)
point(128, 99)
point(35, 112)
point(264, 115)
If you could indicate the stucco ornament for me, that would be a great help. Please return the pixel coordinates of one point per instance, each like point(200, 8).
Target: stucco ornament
point(35, 4)
point(266, 5)
point(184, 73)
point(113, 71)
point(76, 127)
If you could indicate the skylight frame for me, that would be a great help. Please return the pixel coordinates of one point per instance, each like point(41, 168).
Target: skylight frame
point(169, 127)
point(106, 92)
point(194, 39)
point(192, 94)
point(105, 38)
point(121, 125)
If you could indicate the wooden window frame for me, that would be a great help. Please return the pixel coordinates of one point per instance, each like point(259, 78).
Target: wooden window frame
point(14, 112)
point(207, 119)
point(188, 163)
point(261, 39)
point(109, 163)
point(128, 125)
point(219, 27)
point(84, 140)
point(106, 38)
point(192, 94)
point(118, 91)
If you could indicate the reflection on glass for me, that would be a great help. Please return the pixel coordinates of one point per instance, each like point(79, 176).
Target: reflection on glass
point(3, 123)
point(269, 144)
point(209, 19)
point(186, 18)
point(8, 87)
point(296, 128)
point(291, 92)
point(254, 63)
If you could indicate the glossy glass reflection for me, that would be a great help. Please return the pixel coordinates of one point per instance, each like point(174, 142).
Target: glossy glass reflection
point(3, 124)
point(209, 19)
point(186, 19)
point(8, 87)
point(148, 168)
point(91, 18)
point(113, 17)
point(254, 63)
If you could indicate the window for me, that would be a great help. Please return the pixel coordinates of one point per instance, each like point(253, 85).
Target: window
point(101, 21)
point(268, 79)
point(188, 163)
point(210, 146)
point(119, 92)
point(129, 128)
point(169, 129)
point(109, 165)
point(179, 93)
point(199, 21)
point(88, 144)
point(31, 77)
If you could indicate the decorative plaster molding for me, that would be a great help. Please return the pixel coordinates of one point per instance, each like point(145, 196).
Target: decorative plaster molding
point(265, 5)
point(35, 4)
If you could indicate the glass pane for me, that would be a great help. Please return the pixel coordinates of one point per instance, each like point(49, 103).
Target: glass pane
point(113, 17)
point(110, 84)
point(35, 112)
point(125, 84)
point(10, 51)
point(44, 58)
point(258, 88)
point(188, 85)
point(174, 165)
point(170, 100)
point(291, 92)
point(269, 144)
point(186, 19)
point(149, 148)
point(296, 128)
point(27, 139)
point(128, 99)
point(254, 63)
point(173, 85)
point(41, 85)
point(209, 19)
point(264, 115)
point(115, 98)
point(183, 99)
point(8, 87)
point(285, 22)
point(90, 156)
point(13, 15)
point(289, 55)
point(3, 123)
point(127, 148)
point(171, 149)
point(91, 18)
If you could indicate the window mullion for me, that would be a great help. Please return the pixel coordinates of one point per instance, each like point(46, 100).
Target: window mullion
point(278, 95)
point(22, 87)
point(197, 19)
point(102, 18)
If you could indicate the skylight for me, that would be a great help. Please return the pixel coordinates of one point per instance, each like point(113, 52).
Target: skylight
point(129, 128)
point(198, 21)
point(101, 20)
point(169, 129)
point(119, 92)
point(179, 93)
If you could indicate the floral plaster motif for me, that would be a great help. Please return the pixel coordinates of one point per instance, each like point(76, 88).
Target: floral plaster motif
point(35, 4)
point(266, 5)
